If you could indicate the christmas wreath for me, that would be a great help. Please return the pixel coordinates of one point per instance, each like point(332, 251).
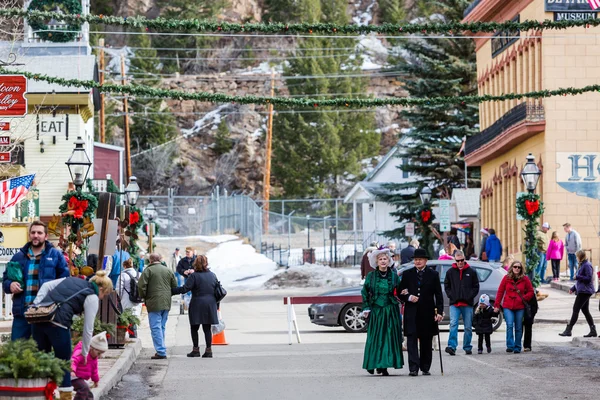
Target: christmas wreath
point(76, 206)
point(64, 6)
point(135, 222)
point(530, 208)
point(425, 218)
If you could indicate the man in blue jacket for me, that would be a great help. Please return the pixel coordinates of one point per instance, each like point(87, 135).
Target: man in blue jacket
point(493, 247)
point(40, 262)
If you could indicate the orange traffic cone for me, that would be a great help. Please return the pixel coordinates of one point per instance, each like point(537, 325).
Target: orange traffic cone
point(219, 338)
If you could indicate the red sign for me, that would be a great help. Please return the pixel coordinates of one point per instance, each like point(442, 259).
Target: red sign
point(4, 126)
point(12, 96)
point(4, 140)
point(5, 157)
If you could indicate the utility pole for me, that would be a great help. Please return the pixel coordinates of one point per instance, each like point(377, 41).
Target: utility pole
point(267, 182)
point(126, 123)
point(102, 67)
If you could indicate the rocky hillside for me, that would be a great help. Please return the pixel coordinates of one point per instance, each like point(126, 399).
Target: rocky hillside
point(196, 164)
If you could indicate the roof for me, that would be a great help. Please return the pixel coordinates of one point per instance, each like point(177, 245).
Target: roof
point(467, 201)
point(109, 146)
point(68, 67)
point(372, 189)
point(381, 163)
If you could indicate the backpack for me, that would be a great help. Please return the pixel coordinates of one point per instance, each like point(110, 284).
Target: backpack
point(133, 292)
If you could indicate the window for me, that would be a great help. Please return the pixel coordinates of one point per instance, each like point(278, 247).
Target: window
point(405, 174)
point(482, 273)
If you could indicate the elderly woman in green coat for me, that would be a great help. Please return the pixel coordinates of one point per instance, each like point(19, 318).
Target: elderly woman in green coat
point(383, 349)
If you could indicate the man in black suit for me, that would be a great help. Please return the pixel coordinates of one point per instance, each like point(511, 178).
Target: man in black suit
point(421, 291)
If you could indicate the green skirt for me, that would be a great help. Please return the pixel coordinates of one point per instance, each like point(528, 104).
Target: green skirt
point(384, 339)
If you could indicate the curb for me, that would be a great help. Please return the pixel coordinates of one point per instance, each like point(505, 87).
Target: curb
point(119, 368)
point(565, 287)
point(593, 343)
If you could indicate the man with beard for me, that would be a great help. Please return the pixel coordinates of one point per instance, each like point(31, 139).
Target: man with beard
point(421, 292)
point(40, 262)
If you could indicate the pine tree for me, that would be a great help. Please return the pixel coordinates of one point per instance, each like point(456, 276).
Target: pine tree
point(316, 152)
point(148, 128)
point(444, 67)
point(223, 141)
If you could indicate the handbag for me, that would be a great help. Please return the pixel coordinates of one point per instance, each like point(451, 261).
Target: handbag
point(528, 312)
point(220, 292)
point(42, 314)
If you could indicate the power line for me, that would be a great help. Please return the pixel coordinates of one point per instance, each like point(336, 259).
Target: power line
point(230, 58)
point(243, 78)
point(223, 48)
point(345, 110)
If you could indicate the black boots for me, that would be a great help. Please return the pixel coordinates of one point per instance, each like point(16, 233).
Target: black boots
point(195, 352)
point(592, 332)
point(207, 353)
point(567, 331)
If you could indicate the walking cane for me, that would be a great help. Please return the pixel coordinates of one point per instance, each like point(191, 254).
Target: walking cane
point(439, 345)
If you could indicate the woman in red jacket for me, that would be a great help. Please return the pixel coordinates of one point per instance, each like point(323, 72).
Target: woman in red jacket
point(515, 290)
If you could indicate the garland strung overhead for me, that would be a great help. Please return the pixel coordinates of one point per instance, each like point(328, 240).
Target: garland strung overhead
point(196, 25)
point(147, 91)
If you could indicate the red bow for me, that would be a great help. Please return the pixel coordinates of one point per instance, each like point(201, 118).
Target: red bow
point(134, 218)
point(78, 206)
point(425, 215)
point(49, 390)
point(532, 206)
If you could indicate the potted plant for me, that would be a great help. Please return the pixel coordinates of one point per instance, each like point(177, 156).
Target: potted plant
point(28, 372)
point(126, 319)
point(77, 328)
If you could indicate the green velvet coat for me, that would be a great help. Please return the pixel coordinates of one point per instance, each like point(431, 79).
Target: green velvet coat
point(383, 348)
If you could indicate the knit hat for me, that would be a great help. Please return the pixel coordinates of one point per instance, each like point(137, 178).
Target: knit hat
point(99, 342)
point(484, 299)
point(484, 231)
point(376, 253)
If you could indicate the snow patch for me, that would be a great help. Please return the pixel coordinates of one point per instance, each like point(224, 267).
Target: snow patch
point(312, 275)
point(211, 118)
point(207, 239)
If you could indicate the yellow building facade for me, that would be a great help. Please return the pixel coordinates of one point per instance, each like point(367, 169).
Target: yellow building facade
point(563, 133)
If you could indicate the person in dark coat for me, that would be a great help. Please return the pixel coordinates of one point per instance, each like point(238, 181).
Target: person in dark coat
point(407, 253)
point(185, 267)
point(528, 324)
point(584, 289)
point(483, 324)
point(203, 306)
point(421, 291)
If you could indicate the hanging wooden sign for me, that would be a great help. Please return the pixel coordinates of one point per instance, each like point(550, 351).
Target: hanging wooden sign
point(13, 102)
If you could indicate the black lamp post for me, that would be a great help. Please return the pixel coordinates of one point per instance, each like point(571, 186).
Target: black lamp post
point(150, 212)
point(530, 174)
point(424, 212)
point(132, 191)
point(79, 164)
point(425, 195)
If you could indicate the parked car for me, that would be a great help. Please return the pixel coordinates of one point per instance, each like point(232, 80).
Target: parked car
point(348, 315)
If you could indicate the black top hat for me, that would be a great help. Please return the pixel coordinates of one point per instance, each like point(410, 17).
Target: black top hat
point(421, 253)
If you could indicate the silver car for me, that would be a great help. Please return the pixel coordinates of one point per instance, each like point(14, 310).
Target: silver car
point(347, 315)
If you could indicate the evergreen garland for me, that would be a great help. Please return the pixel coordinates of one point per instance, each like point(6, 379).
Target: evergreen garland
point(89, 211)
point(530, 208)
point(425, 218)
point(197, 25)
point(40, 25)
point(136, 221)
point(141, 90)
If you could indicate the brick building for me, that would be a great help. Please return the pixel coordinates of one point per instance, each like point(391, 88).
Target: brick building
point(561, 132)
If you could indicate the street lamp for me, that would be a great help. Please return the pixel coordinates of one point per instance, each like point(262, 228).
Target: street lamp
point(530, 174)
point(132, 191)
point(150, 212)
point(79, 164)
point(425, 195)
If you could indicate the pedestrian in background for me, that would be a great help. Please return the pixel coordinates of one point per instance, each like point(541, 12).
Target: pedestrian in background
point(203, 305)
point(175, 258)
point(421, 291)
point(484, 236)
point(40, 262)
point(555, 253)
point(128, 277)
point(365, 266)
point(584, 289)
point(542, 248)
point(507, 262)
point(118, 258)
point(514, 292)
point(572, 245)
point(185, 267)
point(155, 286)
point(407, 253)
point(528, 323)
point(493, 247)
point(483, 323)
point(469, 247)
point(383, 348)
point(462, 288)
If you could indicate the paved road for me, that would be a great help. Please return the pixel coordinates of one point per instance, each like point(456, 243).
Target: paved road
point(259, 364)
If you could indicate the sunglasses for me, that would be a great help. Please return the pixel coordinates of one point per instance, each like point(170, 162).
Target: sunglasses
point(463, 260)
point(517, 266)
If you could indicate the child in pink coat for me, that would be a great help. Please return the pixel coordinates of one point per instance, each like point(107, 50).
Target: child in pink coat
point(555, 254)
point(84, 368)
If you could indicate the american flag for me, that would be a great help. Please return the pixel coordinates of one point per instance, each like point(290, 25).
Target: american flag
point(594, 4)
point(14, 190)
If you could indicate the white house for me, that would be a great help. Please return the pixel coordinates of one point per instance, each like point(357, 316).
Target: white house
point(57, 114)
point(372, 216)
